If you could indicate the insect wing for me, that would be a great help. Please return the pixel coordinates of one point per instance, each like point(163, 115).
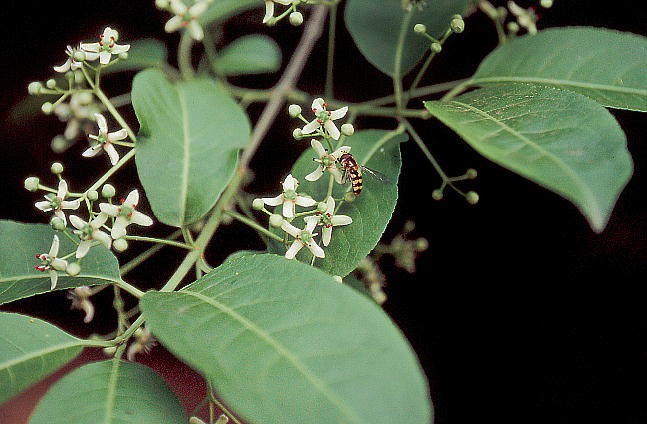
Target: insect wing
point(375, 174)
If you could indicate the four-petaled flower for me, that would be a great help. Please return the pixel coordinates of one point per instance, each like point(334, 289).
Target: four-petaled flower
point(187, 17)
point(106, 47)
point(525, 17)
point(324, 118)
point(303, 238)
point(289, 197)
point(88, 232)
point(80, 298)
point(327, 161)
point(49, 262)
point(71, 62)
point(56, 202)
point(125, 214)
point(269, 8)
point(327, 220)
point(105, 139)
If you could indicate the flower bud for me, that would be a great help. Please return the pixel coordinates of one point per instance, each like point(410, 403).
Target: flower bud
point(79, 77)
point(276, 220)
point(546, 4)
point(123, 56)
point(31, 183)
point(161, 4)
point(73, 269)
point(47, 108)
point(347, 129)
point(472, 197)
point(196, 420)
point(222, 419)
point(436, 47)
point(109, 351)
point(297, 134)
point(120, 245)
point(419, 28)
point(56, 168)
point(296, 18)
point(349, 197)
point(108, 191)
point(57, 223)
point(457, 25)
point(59, 144)
point(513, 27)
point(50, 83)
point(79, 55)
point(421, 244)
point(471, 173)
point(258, 204)
point(408, 226)
point(337, 278)
point(93, 195)
point(34, 87)
point(294, 110)
point(437, 194)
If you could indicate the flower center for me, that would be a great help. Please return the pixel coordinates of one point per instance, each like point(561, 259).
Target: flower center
point(327, 161)
point(85, 233)
point(102, 138)
point(326, 220)
point(323, 116)
point(305, 236)
point(290, 195)
point(126, 211)
point(54, 201)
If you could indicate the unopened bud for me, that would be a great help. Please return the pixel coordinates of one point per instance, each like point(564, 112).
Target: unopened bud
point(276, 220)
point(222, 419)
point(73, 269)
point(349, 197)
point(546, 4)
point(437, 194)
point(161, 4)
point(123, 56)
point(422, 244)
point(59, 144)
point(51, 83)
point(258, 204)
point(457, 24)
point(294, 110)
point(322, 206)
point(471, 173)
point(31, 183)
point(419, 28)
point(513, 27)
point(296, 18)
point(297, 134)
point(34, 87)
point(109, 351)
point(347, 129)
point(108, 191)
point(436, 47)
point(79, 56)
point(472, 197)
point(120, 245)
point(93, 195)
point(57, 223)
point(56, 168)
point(337, 278)
point(47, 108)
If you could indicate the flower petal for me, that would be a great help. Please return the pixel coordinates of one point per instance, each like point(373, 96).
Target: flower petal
point(336, 173)
point(59, 264)
point(326, 235)
point(269, 201)
point(120, 48)
point(310, 226)
point(64, 67)
point(90, 47)
point(83, 248)
point(108, 209)
point(305, 201)
point(269, 11)
point(330, 205)
point(294, 249)
point(141, 219)
point(332, 129)
point(288, 208)
point(53, 275)
point(339, 113)
point(199, 8)
point(290, 229)
point(53, 251)
point(104, 57)
point(196, 31)
point(118, 135)
point(310, 127)
point(44, 205)
point(77, 222)
point(290, 183)
point(98, 221)
point(104, 238)
point(112, 153)
point(338, 220)
point(62, 189)
point(315, 175)
point(101, 122)
point(318, 105)
point(178, 7)
point(316, 250)
point(342, 150)
point(89, 55)
point(318, 147)
point(119, 227)
point(71, 204)
point(92, 151)
point(132, 199)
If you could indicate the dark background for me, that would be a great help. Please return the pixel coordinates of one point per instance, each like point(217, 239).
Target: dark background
point(518, 311)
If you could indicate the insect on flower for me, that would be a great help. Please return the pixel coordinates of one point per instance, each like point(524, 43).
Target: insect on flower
point(352, 171)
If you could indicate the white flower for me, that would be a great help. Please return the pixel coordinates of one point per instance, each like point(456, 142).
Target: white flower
point(525, 17)
point(104, 140)
point(269, 8)
point(289, 197)
point(57, 202)
point(80, 298)
point(327, 162)
point(327, 220)
point(78, 113)
point(71, 62)
point(144, 342)
point(125, 215)
point(187, 17)
point(106, 47)
point(49, 262)
point(324, 118)
point(303, 238)
point(88, 232)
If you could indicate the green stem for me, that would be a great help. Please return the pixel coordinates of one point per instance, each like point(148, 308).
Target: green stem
point(390, 112)
point(419, 92)
point(184, 55)
point(113, 111)
point(419, 76)
point(424, 148)
point(137, 260)
point(332, 27)
point(158, 240)
point(456, 90)
point(253, 224)
point(112, 170)
point(129, 288)
point(397, 68)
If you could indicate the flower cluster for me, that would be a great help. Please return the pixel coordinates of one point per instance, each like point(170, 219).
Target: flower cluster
point(185, 16)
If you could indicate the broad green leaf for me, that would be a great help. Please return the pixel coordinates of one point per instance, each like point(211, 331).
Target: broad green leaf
point(377, 28)
point(187, 147)
point(561, 140)
point(250, 54)
point(606, 65)
point(371, 211)
point(19, 245)
point(110, 392)
point(221, 10)
point(31, 349)
point(145, 53)
point(283, 342)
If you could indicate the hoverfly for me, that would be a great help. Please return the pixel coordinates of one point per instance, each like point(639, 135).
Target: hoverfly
point(353, 172)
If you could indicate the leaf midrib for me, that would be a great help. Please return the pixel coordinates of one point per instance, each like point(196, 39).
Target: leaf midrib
point(184, 185)
point(561, 82)
point(282, 350)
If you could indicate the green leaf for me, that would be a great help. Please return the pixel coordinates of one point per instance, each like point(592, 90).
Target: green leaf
point(371, 211)
point(561, 140)
point(145, 53)
point(19, 245)
point(221, 10)
point(608, 66)
point(31, 349)
point(283, 342)
point(376, 28)
point(110, 392)
point(187, 147)
point(250, 54)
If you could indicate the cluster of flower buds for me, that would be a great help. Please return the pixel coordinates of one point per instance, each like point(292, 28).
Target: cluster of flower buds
point(456, 26)
point(294, 16)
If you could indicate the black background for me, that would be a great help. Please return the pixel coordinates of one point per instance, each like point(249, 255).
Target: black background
point(518, 311)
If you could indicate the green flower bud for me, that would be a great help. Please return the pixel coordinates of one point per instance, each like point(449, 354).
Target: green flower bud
point(294, 110)
point(513, 27)
point(161, 4)
point(276, 220)
point(93, 195)
point(258, 204)
point(73, 269)
point(79, 56)
point(51, 83)
point(123, 56)
point(79, 77)
point(471, 173)
point(196, 420)
point(59, 144)
point(546, 4)
point(296, 18)
point(408, 226)
point(34, 87)
point(437, 194)
point(120, 245)
point(349, 197)
point(57, 223)
point(222, 419)
point(109, 351)
point(457, 25)
point(347, 129)
point(436, 47)
point(56, 168)
point(322, 206)
point(472, 197)
point(31, 183)
point(297, 134)
point(419, 28)
point(108, 191)
point(421, 244)
point(337, 278)
point(47, 108)
point(69, 75)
